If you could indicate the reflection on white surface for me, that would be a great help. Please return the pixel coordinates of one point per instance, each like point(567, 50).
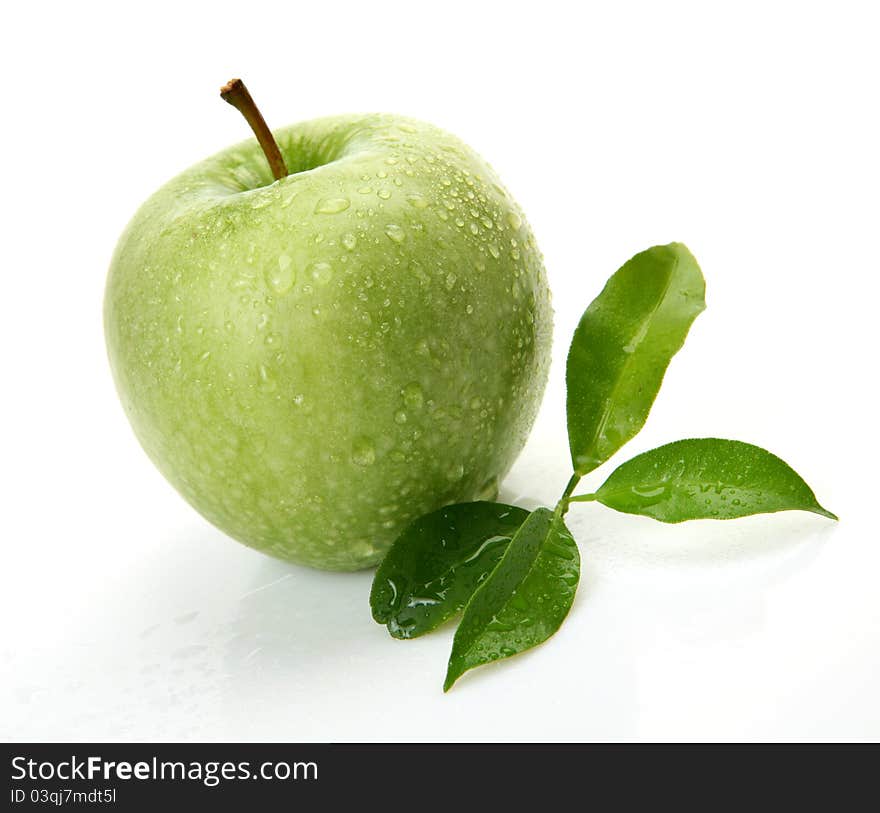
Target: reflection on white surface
point(204, 639)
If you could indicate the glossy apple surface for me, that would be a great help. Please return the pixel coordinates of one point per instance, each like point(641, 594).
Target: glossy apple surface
point(316, 361)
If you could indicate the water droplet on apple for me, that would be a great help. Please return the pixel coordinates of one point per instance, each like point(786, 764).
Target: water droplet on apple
point(298, 399)
point(363, 452)
point(489, 490)
point(514, 219)
point(456, 472)
point(469, 309)
point(349, 241)
point(365, 190)
point(395, 233)
point(267, 382)
point(321, 272)
point(384, 194)
point(475, 229)
point(487, 222)
point(413, 396)
point(332, 206)
point(451, 279)
point(280, 278)
point(400, 416)
point(417, 201)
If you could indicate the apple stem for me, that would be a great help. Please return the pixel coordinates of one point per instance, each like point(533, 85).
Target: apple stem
point(238, 96)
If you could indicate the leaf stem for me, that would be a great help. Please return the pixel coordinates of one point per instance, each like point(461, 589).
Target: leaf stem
point(238, 96)
point(584, 498)
point(562, 505)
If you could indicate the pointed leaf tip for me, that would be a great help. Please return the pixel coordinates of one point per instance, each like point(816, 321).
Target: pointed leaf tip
point(524, 600)
point(622, 347)
point(707, 478)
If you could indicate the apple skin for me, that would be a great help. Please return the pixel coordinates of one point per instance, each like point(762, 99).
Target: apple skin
point(314, 362)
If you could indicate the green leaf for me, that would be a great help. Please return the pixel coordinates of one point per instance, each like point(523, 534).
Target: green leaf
point(434, 566)
point(622, 347)
point(525, 599)
point(706, 478)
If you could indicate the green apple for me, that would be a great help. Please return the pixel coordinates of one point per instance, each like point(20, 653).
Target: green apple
point(313, 362)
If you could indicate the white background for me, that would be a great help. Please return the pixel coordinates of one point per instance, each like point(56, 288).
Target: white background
point(748, 130)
